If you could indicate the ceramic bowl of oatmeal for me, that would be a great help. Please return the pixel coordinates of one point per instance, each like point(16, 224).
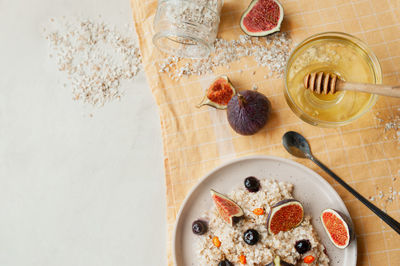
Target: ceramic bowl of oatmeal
point(247, 239)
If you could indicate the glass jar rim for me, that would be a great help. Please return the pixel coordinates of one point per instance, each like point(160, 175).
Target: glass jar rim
point(181, 53)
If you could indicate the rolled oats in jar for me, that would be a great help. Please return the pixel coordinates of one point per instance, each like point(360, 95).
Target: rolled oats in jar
point(187, 28)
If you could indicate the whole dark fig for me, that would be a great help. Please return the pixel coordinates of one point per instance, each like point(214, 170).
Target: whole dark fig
point(248, 112)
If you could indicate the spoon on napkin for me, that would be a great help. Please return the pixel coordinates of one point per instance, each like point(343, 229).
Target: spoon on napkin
point(298, 146)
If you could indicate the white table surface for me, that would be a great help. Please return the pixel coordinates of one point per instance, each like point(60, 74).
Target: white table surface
point(75, 190)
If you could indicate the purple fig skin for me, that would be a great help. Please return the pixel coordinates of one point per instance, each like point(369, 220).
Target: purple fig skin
point(348, 222)
point(248, 112)
point(278, 204)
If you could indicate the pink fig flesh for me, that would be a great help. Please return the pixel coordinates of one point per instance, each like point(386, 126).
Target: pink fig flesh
point(284, 216)
point(219, 93)
point(262, 17)
point(337, 228)
point(229, 211)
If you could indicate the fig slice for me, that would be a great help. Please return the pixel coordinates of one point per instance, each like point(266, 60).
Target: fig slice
point(219, 93)
point(229, 211)
point(338, 227)
point(284, 216)
point(262, 17)
point(278, 262)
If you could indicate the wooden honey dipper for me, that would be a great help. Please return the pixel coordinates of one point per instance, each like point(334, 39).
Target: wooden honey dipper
point(325, 83)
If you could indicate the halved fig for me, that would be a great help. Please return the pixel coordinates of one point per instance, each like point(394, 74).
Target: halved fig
point(219, 93)
point(284, 216)
point(262, 17)
point(278, 262)
point(229, 211)
point(338, 227)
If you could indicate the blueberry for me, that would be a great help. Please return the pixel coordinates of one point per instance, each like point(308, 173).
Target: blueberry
point(252, 184)
point(302, 246)
point(251, 237)
point(199, 227)
point(225, 263)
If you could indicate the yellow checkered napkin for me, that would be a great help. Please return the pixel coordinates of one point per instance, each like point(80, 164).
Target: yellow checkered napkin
point(363, 153)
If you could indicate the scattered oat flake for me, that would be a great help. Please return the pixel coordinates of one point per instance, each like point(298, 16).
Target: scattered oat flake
point(380, 194)
point(95, 56)
point(372, 198)
point(390, 124)
point(271, 52)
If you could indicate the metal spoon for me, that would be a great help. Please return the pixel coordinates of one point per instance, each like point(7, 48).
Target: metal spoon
point(298, 146)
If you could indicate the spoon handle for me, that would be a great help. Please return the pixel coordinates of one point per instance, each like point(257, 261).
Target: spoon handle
point(386, 218)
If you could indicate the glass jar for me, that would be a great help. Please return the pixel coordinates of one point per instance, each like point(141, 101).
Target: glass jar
point(187, 28)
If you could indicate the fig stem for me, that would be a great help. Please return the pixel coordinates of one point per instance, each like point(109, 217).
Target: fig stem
point(242, 100)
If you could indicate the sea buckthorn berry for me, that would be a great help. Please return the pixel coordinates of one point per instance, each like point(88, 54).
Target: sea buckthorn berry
point(242, 259)
point(309, 259)
point(216, 241)
point(258, 211)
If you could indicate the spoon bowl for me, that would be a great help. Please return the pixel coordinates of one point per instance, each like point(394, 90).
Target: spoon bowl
point(296, 144)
